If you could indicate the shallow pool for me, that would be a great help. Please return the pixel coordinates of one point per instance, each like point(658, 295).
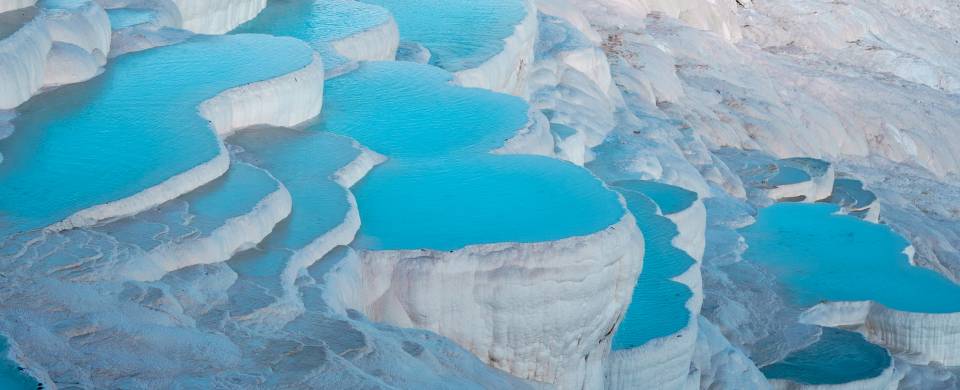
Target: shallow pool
point(658, 308)
point(441, 188)
point(670, 199)
point(460, 34)
point(839, 356)
point(820, 255)
point(128, 17)
point(304, 161)
point(129, 129)
point(788, 175)
point(317, 22)
point(11, 376)
point(850, 193)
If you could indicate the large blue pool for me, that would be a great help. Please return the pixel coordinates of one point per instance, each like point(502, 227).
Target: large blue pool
point(129, 129)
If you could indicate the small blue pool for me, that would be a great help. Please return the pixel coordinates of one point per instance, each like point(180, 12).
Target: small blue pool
point(317, 22)
point(819, 255)
point(452, 191)
point(460, 34)
point(838, 357)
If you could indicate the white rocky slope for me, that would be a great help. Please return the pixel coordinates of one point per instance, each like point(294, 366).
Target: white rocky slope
point(865, 84)
point(839, 81)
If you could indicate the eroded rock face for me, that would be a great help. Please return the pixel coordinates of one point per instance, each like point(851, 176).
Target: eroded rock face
point(495, 299)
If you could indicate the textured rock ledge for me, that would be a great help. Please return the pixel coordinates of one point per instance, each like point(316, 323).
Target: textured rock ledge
point(217, 16)
point(59, 46)
point(283, 101)
point(379, 43)
point(544, 312)
point(23, 59)
point(664, 363)
point(920, 338)
point(236, 234)
point(507, 71)
point(290, 305)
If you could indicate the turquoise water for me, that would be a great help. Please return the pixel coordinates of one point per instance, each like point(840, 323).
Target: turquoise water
point(317, 22)
point(671, 199)
point(788, 175)
point(234, 194)
point(127, 17)
point(822, 256)
point(11, 377)
point(129, 129)
point(839, 356)
point(304, 161)
point(658, 308)
point(450, 191)
point(460, 34)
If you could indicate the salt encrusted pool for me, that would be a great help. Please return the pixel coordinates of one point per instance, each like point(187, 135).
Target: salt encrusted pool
point(839, 356)
point(658, 308)
point(820, 255)
point(460, 34)
point(441, 188)
point(129, 129)
point(317, 22)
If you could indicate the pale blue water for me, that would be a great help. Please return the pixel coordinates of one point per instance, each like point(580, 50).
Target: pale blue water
point(127, 17)
point(460, 34)
point(557, 35)
point(671, 199)
point(813, 166)
point(234, 194)
point(129, 129)
point(441, 189)
point(850, 193)
point(788, 175)
point(839, 356)
point(304, 161)
point(317, 22)
point(658, 308)
point(822, 256)
point(11, 376)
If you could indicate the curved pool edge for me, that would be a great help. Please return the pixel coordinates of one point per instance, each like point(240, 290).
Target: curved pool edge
point(285, 100)
point(506, 72)
point(235, 235)
point(664, 362)
point(378, 43)
point(921, 338)
point(596, 271)
point(290, 305)
point(217, 16)
point(889, 379)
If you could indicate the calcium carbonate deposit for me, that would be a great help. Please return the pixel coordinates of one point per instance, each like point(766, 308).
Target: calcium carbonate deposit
point(496, 194)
